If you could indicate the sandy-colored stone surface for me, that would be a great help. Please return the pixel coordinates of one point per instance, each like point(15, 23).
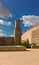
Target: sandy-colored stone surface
point(30, 57)
point(28, 34)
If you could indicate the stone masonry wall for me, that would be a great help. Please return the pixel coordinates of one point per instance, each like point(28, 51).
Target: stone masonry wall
point(6, 40)
point(35, 36)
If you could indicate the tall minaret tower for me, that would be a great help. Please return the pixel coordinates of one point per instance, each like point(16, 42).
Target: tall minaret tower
point(17, 32)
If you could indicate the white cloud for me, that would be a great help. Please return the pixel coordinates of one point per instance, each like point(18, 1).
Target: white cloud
point(30, 20)
point(2, 34)
point(11, 36)
point(4, 12)
point(5, 23)
point(1, 31)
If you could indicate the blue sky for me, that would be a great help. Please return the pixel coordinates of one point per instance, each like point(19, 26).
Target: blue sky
point(10, 10)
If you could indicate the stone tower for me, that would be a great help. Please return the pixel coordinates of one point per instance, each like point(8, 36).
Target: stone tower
point(17, 32)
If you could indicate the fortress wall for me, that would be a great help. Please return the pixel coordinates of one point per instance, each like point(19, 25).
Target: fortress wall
point(6, 40)
point(35, 36)
point(30, 34)
point(10, 40)
point(26, 36)
point(0, 41)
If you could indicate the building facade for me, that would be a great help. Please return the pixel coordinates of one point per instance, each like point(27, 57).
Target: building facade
point(32, 34)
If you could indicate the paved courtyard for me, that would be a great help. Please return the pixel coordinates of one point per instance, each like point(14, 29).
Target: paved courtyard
point(29, 57)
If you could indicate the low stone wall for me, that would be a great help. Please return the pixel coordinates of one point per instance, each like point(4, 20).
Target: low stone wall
point(36, 47)
point(12, 48)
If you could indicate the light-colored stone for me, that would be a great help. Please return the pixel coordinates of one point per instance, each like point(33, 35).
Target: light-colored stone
point(12, 48)
point(29, 57)
point(32, 34)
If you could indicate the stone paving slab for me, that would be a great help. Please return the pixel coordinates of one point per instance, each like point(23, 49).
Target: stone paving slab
point(29, 57)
